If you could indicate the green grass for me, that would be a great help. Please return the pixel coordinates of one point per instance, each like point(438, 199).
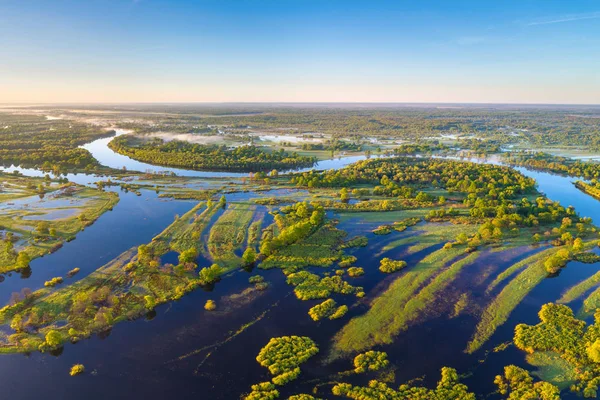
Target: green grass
point(513, 269)
point(430, 235)
point(384, 216)
point(36, 245)
point(390, 312)
point(552, 368)
point(499, 309)
point(578, 290)
point(590, 304)
point(228, 234)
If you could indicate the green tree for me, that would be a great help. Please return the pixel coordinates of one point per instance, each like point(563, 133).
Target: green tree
point(249, 256)
point(54, 338)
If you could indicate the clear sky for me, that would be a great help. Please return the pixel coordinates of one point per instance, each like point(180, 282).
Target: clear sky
point(500, 51)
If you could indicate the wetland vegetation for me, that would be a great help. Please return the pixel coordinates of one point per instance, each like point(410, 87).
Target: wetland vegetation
point(335, 277)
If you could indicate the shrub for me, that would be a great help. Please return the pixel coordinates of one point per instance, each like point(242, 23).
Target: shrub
point(54, 338)
point(388, 265)
point(340, 312)
point(370, 361)
point(283, 356)
point(77, 369)
point(54, 281)
point(210, 274)
point(322, 310)
point(355, 271)
point(210, 305)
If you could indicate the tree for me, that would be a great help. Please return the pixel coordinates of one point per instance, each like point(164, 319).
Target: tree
point(222, 202)
point(54, 338)
point(593, 351)
point(344, 196)
point(249, 256)
point(210, 274)
point(188, 256)
point(42, 227)
point(23, 260)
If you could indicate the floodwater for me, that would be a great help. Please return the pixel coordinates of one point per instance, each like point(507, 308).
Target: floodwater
point(186, 352)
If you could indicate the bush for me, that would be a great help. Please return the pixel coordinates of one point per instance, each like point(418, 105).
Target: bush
point(256, 279)
point(283, 356)
point(210, 305)
point(355, 271)
point(322, 310)
point(388, 265)
point(54, 338)
point(211, 274)
point(54, 281)
point(77, 369)
point(370, 361)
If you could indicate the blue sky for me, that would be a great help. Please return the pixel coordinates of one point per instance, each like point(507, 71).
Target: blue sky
point(304, 50)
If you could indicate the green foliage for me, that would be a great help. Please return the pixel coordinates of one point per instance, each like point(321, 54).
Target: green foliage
point(388, 265)
point(560, 332)
point(322, 310)
point(284, 355)
point(263, 391)
point(355, 271)
point(339, 312)
point(54, 281)
point(517, 384)
point(210, 305)
point(256, 279)
point(309, 286)
point(370, 361)
point(249, 256)
point(188, 256)
point(210, 274)
point(448, 388)
point(54, 339)
point(206, 157)
point(77, 369)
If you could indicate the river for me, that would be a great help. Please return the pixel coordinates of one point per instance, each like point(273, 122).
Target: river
point(162, 357)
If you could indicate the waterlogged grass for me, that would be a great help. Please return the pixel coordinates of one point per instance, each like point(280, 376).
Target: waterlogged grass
point(499, 309)
point(36, 242)
point(391, 311)
point(552, 368)
point(184, 233)
point(387, 217)
point(590, 304)
point(513, 269)
point(575, 292)
point(228, 234)
point(430, 234)
point(321, 249)
point(124, 289)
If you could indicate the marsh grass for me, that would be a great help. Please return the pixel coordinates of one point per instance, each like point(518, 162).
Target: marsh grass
point(401, 303)
point(228, 234)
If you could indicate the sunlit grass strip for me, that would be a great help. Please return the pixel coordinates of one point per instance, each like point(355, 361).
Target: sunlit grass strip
point(578, 290)
point(513, 269)
point(591, 303)
point(385, 318)
point(500, 308)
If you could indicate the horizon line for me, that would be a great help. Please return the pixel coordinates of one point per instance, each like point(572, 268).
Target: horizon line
point(293, 102)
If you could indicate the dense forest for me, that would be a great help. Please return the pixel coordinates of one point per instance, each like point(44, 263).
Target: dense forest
point(208, 157)
point(52, 145)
